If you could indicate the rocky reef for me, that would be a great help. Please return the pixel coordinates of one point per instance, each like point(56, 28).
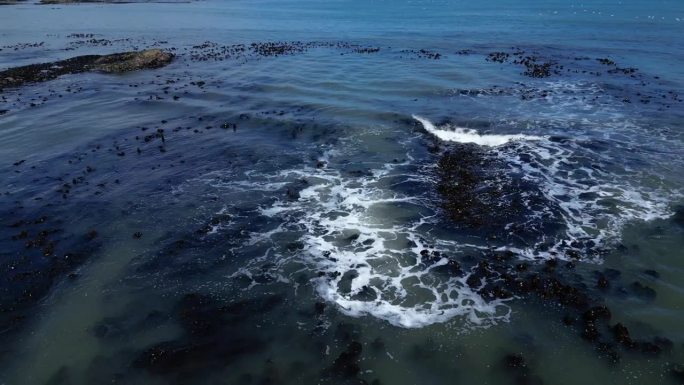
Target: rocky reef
point(113, 63)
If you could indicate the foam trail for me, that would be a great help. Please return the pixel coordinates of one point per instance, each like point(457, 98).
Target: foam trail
point(365, 241)
point(465, 135)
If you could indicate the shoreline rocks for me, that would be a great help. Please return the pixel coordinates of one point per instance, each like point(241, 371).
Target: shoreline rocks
point(113, 63)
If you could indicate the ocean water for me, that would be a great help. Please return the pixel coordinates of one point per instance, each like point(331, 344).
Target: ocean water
point(345, 192)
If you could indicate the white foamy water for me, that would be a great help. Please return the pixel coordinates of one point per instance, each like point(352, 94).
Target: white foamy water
point(594, 203)
point(407, 292)
point(367, 241)
point(364, 239)
point(466, 135)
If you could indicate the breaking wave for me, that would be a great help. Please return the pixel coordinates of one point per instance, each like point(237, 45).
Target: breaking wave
point(466, 135)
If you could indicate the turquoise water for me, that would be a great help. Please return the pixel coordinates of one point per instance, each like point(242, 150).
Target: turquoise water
point(380, 196)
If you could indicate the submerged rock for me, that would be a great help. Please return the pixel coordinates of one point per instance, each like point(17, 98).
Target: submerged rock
point(516, 365)
point(215, 334)
point(641, 291)
point(114, 63)
point(346, 365)
point(677, 373)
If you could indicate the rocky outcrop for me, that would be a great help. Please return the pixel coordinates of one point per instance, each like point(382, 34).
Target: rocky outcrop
point(113, 63)
point(133, 61)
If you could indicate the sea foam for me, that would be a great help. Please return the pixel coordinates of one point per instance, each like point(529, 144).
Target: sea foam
point(364, 238)
point(466, 135)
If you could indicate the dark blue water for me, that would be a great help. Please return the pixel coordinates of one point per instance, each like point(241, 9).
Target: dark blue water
point(422, 192)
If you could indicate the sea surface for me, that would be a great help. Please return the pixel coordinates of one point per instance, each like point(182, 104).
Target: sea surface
point(346, 192)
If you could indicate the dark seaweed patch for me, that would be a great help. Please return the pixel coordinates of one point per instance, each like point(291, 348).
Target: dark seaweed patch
point(478, 194)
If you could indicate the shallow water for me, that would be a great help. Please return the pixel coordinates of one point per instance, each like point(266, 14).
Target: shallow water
point(320, 214)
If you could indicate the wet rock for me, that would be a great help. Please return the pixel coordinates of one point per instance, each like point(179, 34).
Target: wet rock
point(365, 294)
point(597, 313)
point(450, 269)
point(295, 246)
point(602, 282)
point(493, 291)
point(621, 335)
point(606, 61)
point(498, 57)
point(479, 274)
point(114, 63)
point(214, 223)
point(535, 70)
point(367, 50)
point(293, 189)
point(133, 61)
point(345, 283)
point(624, 71)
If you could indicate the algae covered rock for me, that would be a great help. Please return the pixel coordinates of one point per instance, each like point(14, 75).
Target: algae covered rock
point(113, 63)
point(133, 61)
